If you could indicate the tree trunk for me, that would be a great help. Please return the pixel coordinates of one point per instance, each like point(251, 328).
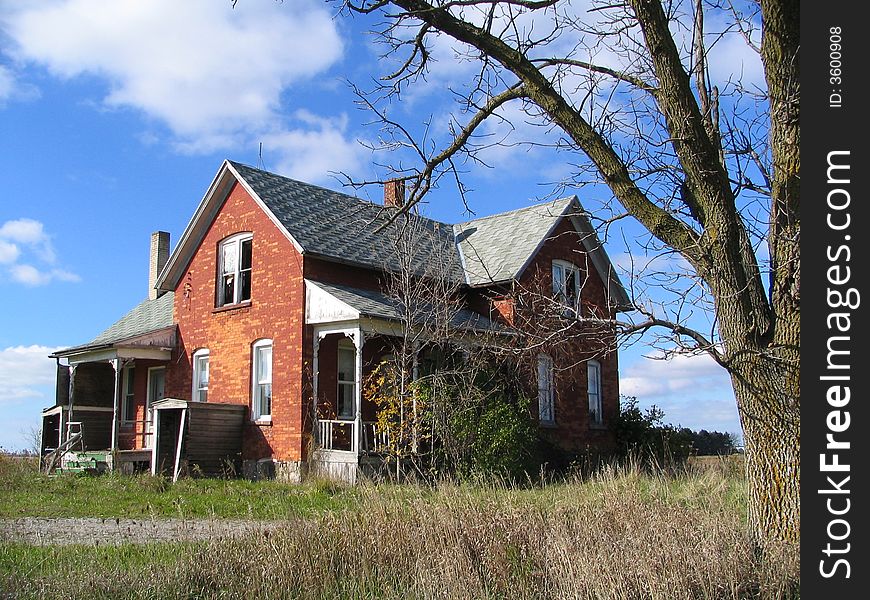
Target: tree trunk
point(768, 398)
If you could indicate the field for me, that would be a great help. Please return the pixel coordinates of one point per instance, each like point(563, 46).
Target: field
point(619, 534)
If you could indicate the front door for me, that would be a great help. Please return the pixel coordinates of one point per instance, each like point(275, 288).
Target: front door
point(156, 391)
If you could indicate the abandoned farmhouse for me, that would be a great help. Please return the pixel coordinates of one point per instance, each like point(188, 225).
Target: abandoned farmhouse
point(263, 322)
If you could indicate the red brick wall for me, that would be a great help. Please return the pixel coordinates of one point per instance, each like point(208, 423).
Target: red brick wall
point(573, 429)
point(131, 435)
point(276, 311)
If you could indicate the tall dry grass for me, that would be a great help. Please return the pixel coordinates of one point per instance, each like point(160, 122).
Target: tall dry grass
point(622, 534)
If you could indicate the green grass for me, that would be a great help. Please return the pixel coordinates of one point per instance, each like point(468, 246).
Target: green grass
point(26, 493)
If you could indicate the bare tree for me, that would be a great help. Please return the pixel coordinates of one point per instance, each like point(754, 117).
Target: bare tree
point(709, 168)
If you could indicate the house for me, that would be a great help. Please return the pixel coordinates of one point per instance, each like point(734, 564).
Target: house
point(262, 322)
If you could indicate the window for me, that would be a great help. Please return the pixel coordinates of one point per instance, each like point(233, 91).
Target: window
point(234, 270)
point(200, 376)
point(128, 404)
point(545, 389)
point(567, 282)
point(346, 380)
point(261, 371)
point(156, 387)
point(593, 374)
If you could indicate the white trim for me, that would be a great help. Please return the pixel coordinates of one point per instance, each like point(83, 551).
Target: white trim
point(128, 380)
point(345, 345)
point(264, 208)
point(149, 430)
point(236, 240)
point(596, 414)
point(546, 391)
point(195, 390)
point(215, 196)
point(323, 307)
point(110, 354)
point(567, 266)
point(255, 347)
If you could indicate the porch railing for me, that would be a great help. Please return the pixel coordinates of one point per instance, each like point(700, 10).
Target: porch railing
point(336, 434)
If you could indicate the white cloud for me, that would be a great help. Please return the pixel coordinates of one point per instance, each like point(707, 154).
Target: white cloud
point(30, 235)
point(9, 253)
point(693, 391)
point(213, 74)
point(23, 369)
point(13, 89)
point(309, 155)
point(7, 83)
point(649, 378)
point(200, 66)
point(30, 275)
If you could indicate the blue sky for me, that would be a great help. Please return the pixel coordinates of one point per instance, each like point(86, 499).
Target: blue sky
point(115, 117)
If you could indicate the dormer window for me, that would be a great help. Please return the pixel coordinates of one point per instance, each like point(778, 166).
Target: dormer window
point(567, 282)
point(234, 270)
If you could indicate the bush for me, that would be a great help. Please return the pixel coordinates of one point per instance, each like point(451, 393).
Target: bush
point(499, 436)
point(644, 436)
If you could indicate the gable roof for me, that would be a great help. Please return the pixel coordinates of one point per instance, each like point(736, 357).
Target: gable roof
point(490, 255)
point(320, 223)
point(342, 228)
point(146, 317)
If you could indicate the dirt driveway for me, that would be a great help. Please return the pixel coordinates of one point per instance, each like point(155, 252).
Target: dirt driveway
point(95, 531)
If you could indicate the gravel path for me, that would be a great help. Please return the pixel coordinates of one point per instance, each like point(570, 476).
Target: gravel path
point(95, 531)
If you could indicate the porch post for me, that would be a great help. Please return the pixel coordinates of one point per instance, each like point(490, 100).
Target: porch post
point(315, 381)
point(359, 340)
point(116, 406)
point(72, 387)
point(415, 374)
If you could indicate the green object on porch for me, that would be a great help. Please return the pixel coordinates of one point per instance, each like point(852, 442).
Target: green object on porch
point(85, 462)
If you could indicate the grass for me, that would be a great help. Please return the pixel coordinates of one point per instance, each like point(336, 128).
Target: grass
point(620, 534)
point(26, 493)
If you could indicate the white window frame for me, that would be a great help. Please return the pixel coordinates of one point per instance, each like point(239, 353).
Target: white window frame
point(196, 363)
point(236, 274)
point(257, 385)
point(345, 346)
point(546, 404)
point(129, 395)
point(149, 394)
point(561, 270)
point(593, 391)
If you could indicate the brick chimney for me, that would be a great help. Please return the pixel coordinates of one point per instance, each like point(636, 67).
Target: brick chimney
point(394, 193)
point(158, 258)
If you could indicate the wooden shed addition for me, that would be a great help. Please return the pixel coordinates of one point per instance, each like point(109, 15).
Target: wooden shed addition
point(197, 438)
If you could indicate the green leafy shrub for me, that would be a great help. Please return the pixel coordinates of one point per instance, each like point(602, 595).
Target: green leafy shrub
point(643, 435)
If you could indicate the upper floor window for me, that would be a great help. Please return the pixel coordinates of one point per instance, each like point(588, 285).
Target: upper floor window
point(593, 372)
point(261, 372)
point(567, 282)
point(200, 376)
point(545, 389)
point(234, 269)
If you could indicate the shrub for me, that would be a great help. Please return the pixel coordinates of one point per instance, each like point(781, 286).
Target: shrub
point(643, 435)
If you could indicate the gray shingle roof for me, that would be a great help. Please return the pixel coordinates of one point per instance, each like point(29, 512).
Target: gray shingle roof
point(147, 316)
point(374, 304)
point(496, 248)
point(345, 228)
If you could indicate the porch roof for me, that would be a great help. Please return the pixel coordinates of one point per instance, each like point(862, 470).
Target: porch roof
point(148, 325)
point(354, 303)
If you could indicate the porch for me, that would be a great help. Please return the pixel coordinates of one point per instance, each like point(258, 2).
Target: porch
point(102, 418)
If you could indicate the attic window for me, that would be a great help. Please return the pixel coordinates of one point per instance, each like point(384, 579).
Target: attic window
point(567, 282)
point(234, 270)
